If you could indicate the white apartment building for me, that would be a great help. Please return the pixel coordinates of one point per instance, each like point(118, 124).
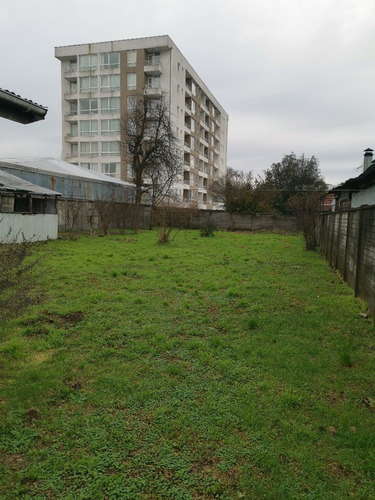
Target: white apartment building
point(99, 82)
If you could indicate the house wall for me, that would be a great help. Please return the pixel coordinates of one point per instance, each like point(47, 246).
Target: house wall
point(347, 239)
point(365, 197)
point(15, 228)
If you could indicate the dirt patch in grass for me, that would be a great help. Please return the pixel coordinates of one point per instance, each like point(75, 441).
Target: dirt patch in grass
point(62, 320)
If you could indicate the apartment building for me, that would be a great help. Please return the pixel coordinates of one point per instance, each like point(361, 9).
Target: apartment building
point(100, 83)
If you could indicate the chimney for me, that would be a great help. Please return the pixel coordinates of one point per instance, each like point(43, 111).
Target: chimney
point(367, 158)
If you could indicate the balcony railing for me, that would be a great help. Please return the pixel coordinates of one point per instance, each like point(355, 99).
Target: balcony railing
point(110, 66)
point(88, 68)
point(153, 85)
point(110, 89)
point(89, 154)
point(70, 69)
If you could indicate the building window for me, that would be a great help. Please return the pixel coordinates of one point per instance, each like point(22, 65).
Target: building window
point(73, 108)
point(151, 128)
point(94, 167)
point(88, 84)
point(88, 127)
point(193, 125)
point(112, 169)
point(73, 129)
point(110, 104)
point(73, 87)
point(110, 127)
point(110, 60)
point(129, 171)
point(73, 65)
point(132, 58)
point(89, 148)
point(132, 81)
point(110, 82)
point(88, 106)
point(111, 148)
point(131, 102)
point(193, 88)
point(193, 107)
point(153, 82)
point(74, 150)
point(153, 58)
point(88, 62)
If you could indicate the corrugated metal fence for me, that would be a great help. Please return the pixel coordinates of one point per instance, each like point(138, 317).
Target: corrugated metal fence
point(347, 239)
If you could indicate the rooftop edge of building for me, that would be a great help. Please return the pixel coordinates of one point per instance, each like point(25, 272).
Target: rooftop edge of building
point(156, 41)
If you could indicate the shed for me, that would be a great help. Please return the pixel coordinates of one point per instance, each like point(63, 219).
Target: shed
point(27, 211)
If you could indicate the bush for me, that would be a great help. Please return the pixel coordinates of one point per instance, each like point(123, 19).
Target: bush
point(208, 229)
point(19, 271)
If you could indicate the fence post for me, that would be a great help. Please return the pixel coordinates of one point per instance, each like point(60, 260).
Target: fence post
point(338, 240)
point(348, 222)
point(359, 251)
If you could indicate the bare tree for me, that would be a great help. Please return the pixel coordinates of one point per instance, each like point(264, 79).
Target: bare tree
point(171, 217)
point(151, 147)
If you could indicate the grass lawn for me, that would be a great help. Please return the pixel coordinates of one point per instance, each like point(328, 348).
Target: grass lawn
point(229, 367)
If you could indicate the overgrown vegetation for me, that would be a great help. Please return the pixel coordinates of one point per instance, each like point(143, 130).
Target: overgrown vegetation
point(228, 367)
point(306, 207)
point(208, 229)
point(241, 193)
point(20, 269)
point(171, 217)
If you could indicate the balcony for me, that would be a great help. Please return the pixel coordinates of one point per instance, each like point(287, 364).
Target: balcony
point(152, 68)
point(71, 95)
point(70, 72)
point(71, 115)
point(69, 137)
point(153, 89)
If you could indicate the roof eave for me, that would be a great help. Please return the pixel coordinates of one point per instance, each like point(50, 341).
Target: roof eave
point(20, 110)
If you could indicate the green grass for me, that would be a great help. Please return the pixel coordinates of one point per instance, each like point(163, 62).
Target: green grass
point(228, 367)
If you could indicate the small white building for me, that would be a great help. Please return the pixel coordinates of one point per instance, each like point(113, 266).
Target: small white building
point(27, 212)
point(360, 190)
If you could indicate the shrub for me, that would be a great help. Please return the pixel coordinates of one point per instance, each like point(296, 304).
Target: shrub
point(19, 271)
point(208, 229)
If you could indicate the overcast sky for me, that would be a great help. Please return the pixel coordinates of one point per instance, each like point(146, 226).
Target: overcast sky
point(293, 75)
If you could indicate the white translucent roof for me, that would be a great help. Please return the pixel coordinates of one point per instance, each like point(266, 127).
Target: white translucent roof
point(8, 181)
point(63, 168)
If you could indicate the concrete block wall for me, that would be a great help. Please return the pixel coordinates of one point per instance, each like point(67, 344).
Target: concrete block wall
point(347, 239)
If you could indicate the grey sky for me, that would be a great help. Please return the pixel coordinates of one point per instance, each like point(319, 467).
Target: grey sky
point(293, 75)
